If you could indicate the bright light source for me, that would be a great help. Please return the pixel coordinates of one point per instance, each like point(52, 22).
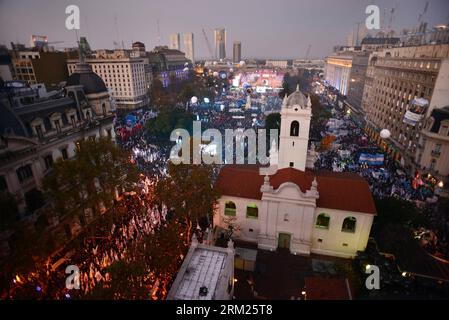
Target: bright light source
point(441, 184)
point(235, 280)
point(368, 266)
point(303, 293)
point(404, 274)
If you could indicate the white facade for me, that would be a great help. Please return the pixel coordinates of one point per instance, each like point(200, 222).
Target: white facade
point(289, 211)
point(125, 78)
point(277, 63)
point(294, 135)
point(189, 46)
point(175, 41)
point(294, 208)
point(337, 72)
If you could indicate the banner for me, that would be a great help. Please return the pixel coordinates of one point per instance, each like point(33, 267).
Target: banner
point(415, 113)
point(376, 159)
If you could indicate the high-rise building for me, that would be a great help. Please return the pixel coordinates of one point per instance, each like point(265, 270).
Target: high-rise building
point(237, 52)
point(175, 41)
point(189, 46)
point(220, 43)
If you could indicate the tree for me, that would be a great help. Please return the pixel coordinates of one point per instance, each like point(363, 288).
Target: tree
point(164, 252)
point(231, 226)
point(159, 95)
point(189, 191)
point(186, 93)
point(169, 120)
point(91, 178)
point(394, 211)
point(273, 121)
point(286, 90)
point(126, 282)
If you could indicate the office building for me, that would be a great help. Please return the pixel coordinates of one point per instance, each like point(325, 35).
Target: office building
point(220, 43)
point(175, 41)
point(277, 63)
point(433, 147)
point(124, 75)
point(168, 64)
point(237, 52)
point(406, 84)
point(337, 70)
point(189, 46)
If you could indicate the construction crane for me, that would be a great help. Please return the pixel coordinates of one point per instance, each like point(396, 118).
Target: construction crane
point(308, 52)
point(209, 47)
point(421, 15)
point(390, 22)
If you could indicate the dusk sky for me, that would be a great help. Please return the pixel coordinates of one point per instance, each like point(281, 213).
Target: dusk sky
point(281, 28)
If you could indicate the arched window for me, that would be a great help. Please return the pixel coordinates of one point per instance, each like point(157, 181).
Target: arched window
point(349, 224)
point(103, 106)
point(322, 221)
point(230, 208)
point(294, 129)
point(252, 211)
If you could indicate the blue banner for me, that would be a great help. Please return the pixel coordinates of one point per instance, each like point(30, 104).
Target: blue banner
point(375, 159)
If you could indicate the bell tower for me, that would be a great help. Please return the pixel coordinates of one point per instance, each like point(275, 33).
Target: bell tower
point(294, 136)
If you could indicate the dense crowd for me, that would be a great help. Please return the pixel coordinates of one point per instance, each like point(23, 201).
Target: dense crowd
point(386, 179)
point(134, 217)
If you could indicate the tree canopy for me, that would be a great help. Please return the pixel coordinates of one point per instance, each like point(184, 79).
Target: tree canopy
point(189, 191)
point(168, 120)
point(91, 177)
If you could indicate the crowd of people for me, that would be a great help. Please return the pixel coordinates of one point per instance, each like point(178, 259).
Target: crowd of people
point(133, 217)
point(386, 178)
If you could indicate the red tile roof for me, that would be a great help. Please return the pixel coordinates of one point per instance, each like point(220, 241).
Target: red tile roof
point(326, 289)
point(337, 190)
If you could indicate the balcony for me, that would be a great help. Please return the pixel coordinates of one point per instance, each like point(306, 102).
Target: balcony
point(435, 153)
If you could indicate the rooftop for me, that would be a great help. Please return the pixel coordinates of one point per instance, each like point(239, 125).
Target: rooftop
point(200, 274)
point(370, 40)
point(337, 190)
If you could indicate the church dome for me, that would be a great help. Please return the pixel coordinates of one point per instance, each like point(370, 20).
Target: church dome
point(297, 99)
point(84, 76)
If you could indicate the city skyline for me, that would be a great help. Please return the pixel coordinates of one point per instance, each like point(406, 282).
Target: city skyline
point(286, 35)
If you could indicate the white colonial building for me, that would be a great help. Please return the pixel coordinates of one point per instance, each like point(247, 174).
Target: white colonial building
point(292, 206)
